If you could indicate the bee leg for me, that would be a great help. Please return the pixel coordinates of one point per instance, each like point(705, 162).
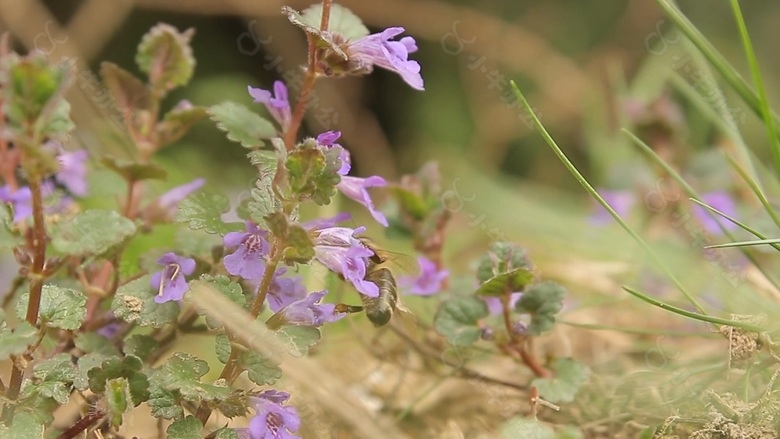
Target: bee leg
point(351, 309)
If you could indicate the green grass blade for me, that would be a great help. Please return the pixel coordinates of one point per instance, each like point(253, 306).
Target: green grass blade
point(585, 184)
point(756, 189)
point(746, 243)
point(742, 225)
point(766, 111)
point(715, 58)
point(692, 315)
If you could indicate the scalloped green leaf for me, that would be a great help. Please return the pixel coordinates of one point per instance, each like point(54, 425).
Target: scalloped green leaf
point(515, 280)
point(187, 428)
point(241, 125)
point(182, 373)
point(457, 320)
point(166, 56)
point(24, 425)
point(299, 338)
point(15, 342)
point(140, 345)
point(52, 378)
point(564, 385)
point(92, 232)
point(203, 211)
point(60, 307)
point(542, 301)
point(134, 303)
point(261, 369)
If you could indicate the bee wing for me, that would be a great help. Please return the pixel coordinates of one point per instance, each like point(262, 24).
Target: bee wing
point(408, 319)
point(401, 264)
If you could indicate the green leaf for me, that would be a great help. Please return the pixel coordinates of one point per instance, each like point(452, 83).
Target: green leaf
point(222, 348)
point(261, 369)
point(177, 122)
point(526, 428)
point(182, 372)
point(8, 238)
point(234, 405)
point(130, 92)
point(134, 303)
point(187, 428)
point(134, 171)
point(410, 202)
point(241, 124)
point(56, 124)
point(92, 342)
point(313, 171)
point(92, 232)
point(166, 56)
point(569, 376)
point(226, 433)
point(116, 397)
point(129, 368)
point(515, 280)
point(503, 257)
point(52, 378)
point(61, 308)
point(231, 290)
point(341, 21)
point(140, 345)
point(23, 426)
point(33, 84)
point(263, 202)
point(203, 211)
point(86, 363)
point(15, 342)
point(200, 244)
point(542, 301)
point(300, 248)
point(457, 320)
point(299, 338)
point(163, 404)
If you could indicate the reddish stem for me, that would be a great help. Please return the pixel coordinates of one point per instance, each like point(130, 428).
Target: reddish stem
point(82, 424)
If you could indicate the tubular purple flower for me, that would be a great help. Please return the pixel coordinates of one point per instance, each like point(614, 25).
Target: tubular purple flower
point(170, 199)
point(342, 253)
point(355, 188)
point(272, 420)
point(284, 290)
point(721, 201)
point(428, 282)
point(494, 303)
point(379, 50)
point(278, 104)
point(170, 282)
point(309, 312)
point(329, 138)
point(20, 200)
point(73, 171)
point(251, 248)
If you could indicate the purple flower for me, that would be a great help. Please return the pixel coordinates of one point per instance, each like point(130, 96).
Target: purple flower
point(342, 253)
point(170, 282)
point(326, 222)
point(430, 279)
point(495, 303)
point(73, 171)
point(272, 420)
point(721, 201)
point(329, 138)
point(284, 290)
point(308, 311)
point(355, 188)
point(620, 201)
point(251, 247)
point(379, 50)
point(169, 200)
point(20, 200)
point(278, 104)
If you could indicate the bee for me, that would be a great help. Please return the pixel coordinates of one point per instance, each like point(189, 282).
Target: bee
point(379, 310)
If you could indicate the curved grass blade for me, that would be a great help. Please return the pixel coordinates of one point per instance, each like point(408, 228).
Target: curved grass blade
point(692, 315)
point(740, 224)
point(753, 184)
point(746, 243)
point(585, 184)
point(766, 111)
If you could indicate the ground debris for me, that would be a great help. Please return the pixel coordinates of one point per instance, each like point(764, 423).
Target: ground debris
point(732, 418)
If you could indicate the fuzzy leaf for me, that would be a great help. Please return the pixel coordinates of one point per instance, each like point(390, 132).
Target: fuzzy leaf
point(300, 338)
point(52, 378)
point(134, 171)
point(129, 368)
point(222, 348)
point(15, 342)
point(187, 428)
point(457, 320)
point(84, 364)
point(515, 280)
point(502, 257)
point(90, 342)
point(231, 290)
point(313, 172)
point(134, 303)
point(32, 84)
point(341, 21)
point(166, 56)
point(226, 433)
point(241, 124)
point(569, 376)
point(542, 301)
point(177, 122)
point(61, 308)
point(261, 369)
point(116, 396)
point(263, 202)
point(526, 428)
point(130, 92)
point(140, 345)
point(92, 232)
point(182, 373)
point(234, 405)
point(300, 248)
point(23, 426)
point(410, 202)
point(56, 124)
point(163, 403)
point(203, 211)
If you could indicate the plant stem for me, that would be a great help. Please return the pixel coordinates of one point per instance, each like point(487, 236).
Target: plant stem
point(518, 343)
point(82, 424)
point(35, 276)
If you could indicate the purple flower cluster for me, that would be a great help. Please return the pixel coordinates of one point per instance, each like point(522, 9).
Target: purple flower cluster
point(379, 50)
point(272, 420)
